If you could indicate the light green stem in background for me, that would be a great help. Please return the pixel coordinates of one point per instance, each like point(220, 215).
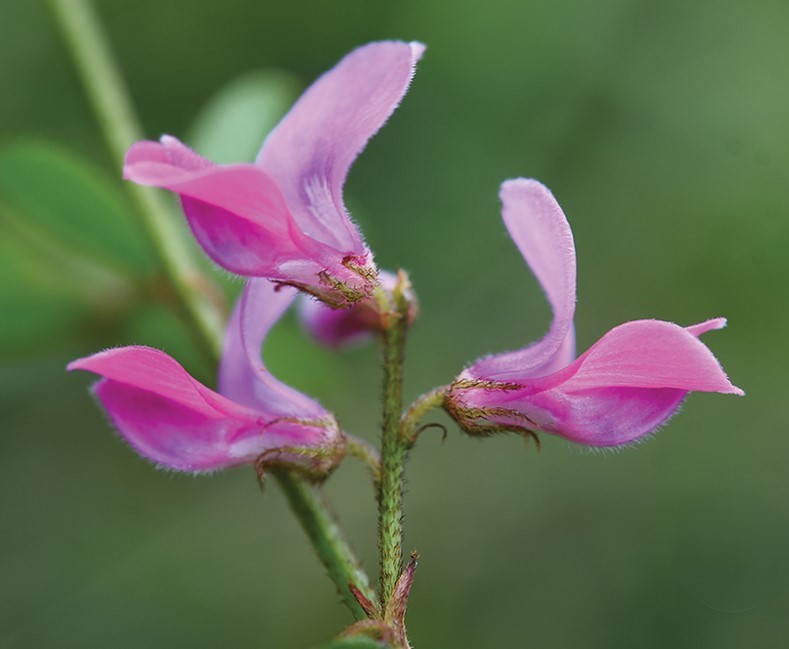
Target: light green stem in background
point(393, 452)
point(110, 100)
point(327, 541)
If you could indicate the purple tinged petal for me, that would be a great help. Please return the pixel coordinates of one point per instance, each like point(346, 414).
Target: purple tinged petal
point(169, 417)
point(539, 228)
point(310, 152)
point(175, 421)
point(243, 376)
point(236, 212)
point(594, 417)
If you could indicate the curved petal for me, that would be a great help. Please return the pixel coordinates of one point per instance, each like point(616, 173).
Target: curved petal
point(310, 152)
point(169, 417)
point(539, 228)
point(646, 354)
point(242, 375)
point(236, 212)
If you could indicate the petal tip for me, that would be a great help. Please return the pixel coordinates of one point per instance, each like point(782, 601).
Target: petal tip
point(523, 184)
point(74, 365)
point(141, 152)
point(417, 50)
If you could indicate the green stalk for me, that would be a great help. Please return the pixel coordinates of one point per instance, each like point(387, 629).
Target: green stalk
point(393, 452)
point(107, 93)
point(327, 541)
point(103, 83)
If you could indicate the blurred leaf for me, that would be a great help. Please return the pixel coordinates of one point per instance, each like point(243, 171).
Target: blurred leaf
point(235, 121)
point(69, 249)
point(30, 310)
point(47, 298)
point(53, 194)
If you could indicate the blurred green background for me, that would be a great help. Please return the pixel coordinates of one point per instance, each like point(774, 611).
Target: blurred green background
point(661, 126)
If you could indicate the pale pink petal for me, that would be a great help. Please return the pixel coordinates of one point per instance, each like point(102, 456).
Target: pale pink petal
point(168, 416)
point(539, 228)
point(243, 376)
point(310, 152)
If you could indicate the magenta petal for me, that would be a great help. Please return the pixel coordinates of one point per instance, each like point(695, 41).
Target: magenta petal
point(236, 212)
point(310, 152)
point(539, 228)
point(169, 417)
point(243, 376)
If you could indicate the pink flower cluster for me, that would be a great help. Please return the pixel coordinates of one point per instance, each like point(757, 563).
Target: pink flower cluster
point(281, 221)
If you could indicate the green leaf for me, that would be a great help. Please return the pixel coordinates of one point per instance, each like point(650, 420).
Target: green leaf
point(70, 253)
point(235, 121)
point(44, 305)
point(53, 195)
point(30, 310)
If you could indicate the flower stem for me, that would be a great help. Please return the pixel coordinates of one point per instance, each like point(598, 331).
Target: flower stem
point(327, 541)
point(393, 452)
point(107, 93)
point(103, 83)
point(417, 410)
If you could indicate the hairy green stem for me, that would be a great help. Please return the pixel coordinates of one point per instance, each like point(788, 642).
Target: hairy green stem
point(107, 93)
point(327, 540)
point(393, 452)
point(110, 100)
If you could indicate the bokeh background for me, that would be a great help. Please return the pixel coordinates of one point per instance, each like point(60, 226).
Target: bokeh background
point(661, 126)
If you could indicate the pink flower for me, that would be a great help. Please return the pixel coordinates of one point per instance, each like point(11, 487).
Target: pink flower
point(175, 421)
point(283, 217)
point(622, 388)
